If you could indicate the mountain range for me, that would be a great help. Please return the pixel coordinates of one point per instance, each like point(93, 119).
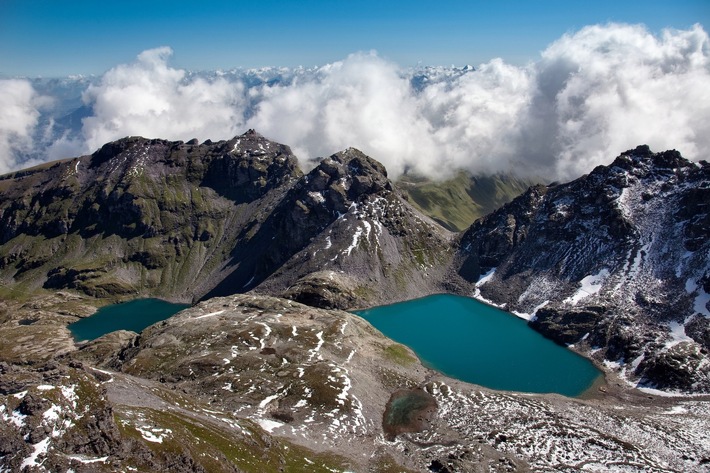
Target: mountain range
point(614, 263)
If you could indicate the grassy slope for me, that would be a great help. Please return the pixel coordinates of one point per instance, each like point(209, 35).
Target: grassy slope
point(457, 202)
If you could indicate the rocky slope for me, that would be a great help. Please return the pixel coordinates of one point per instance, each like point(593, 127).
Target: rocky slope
point(138, 216)
point(255, 383)
point(616, 261)
point(359, 241)
point(181, 220)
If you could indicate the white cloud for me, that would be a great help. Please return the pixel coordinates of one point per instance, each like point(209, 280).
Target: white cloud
point(473, 116)
point(591, 95)
point(362, 102)
point(609, 88)
point(151, 99)
point(19, 114)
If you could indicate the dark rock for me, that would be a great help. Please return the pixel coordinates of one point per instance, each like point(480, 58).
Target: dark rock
point(698, 328)
point(607, 228)
point(566, 327)
point(677, 368)
point(438, 467)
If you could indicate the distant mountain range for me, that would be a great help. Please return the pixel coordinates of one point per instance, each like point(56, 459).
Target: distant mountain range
point(615, 262)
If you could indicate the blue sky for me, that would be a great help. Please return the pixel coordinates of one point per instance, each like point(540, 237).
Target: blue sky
point(54, 38)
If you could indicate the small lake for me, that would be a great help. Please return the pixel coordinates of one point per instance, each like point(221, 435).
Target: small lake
point(134, 315)
point(474, 342)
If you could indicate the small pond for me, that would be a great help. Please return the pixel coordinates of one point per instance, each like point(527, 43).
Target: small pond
point(474, 342)
point(134, 315)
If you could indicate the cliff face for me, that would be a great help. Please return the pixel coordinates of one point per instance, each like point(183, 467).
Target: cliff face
point(617, 258)
point(349, 239)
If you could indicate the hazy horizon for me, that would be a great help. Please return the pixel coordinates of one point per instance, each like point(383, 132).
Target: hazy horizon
point(557, 89)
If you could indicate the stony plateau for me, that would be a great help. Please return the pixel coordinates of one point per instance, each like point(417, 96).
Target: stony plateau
point(265, 373)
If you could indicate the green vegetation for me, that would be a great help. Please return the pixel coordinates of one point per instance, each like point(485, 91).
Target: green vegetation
point(216, 449)
point(386, 464)
point(457, 202)
point(399, 354)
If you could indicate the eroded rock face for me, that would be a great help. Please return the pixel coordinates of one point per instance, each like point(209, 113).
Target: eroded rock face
point(345, 226)
point(325, 289)
point(617, 259)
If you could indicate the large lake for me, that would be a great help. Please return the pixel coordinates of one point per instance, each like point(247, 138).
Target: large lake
point(134, 315)
point(479, 344)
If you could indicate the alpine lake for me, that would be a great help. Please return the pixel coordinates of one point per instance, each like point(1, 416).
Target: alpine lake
point(135, 315)
point(457, 336)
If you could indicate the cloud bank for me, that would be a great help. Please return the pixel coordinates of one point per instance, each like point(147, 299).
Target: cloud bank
point(591, 95)
point(149, 98)
point(19, 116)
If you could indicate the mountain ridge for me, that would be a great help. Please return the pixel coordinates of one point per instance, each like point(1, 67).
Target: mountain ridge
point(255, 382)
point(617, 259)
point(584, 261)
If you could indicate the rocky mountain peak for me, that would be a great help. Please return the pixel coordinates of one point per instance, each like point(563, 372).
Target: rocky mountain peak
point(341, 179)
point(643, 157)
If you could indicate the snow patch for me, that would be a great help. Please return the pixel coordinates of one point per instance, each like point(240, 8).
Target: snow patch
point(52, 414)
point(267, 400)
point(700, 305)
point(269, 425)
point(590, 286)
point(486, 277)
point(40, 448)
point(530, 316)
point(317, 197)
point(155, 435)
point(85, 459)
point(211, 314)
point(69, 393)
point(15, 417)
point(677, 332)
point(356, 240)
point(317, 348)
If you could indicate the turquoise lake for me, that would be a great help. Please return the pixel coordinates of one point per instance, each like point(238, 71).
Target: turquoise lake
point(134, 315)
point(474, 342)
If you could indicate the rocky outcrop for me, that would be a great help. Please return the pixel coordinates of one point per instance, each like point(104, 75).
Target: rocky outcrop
point(186, 220)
